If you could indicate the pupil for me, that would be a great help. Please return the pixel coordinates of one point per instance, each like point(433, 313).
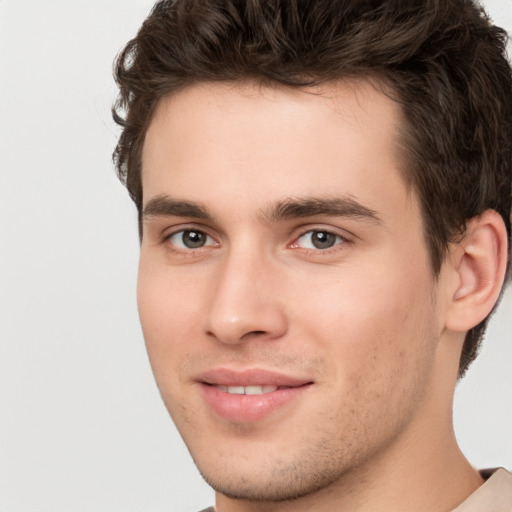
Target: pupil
point(193, 239)
point(323, 240)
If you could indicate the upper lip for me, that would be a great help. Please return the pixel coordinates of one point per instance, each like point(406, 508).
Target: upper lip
point(249, 377)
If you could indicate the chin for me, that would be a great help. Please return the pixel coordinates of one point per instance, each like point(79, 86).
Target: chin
point(289, 487)
point(274, 478)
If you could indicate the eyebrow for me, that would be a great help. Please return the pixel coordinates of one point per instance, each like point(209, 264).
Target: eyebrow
point(165, 206)
point(345, 206)
point(290, 208)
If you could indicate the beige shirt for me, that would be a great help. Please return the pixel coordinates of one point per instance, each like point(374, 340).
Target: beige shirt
point(495, 495)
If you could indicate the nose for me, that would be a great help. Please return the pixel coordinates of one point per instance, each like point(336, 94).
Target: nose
point(246, 302)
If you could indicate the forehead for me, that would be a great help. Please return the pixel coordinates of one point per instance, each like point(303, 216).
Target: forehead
point(261, 144)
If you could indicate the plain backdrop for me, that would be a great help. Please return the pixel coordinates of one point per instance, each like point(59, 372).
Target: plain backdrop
point(82, 427)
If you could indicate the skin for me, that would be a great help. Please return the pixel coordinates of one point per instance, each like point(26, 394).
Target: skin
point(364, 320)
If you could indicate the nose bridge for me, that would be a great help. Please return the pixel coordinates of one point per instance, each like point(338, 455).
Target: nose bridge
point(244, 302)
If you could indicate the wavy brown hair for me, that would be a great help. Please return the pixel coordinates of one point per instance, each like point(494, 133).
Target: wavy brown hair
point(442, 60)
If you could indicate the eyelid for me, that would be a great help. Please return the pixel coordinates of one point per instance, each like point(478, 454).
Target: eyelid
point(169, 232)
point(207, 243)
point(175, 230)
point(347, 238)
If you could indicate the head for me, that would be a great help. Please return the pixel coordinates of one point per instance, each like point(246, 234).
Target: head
point(442, 62)
point(312, 179)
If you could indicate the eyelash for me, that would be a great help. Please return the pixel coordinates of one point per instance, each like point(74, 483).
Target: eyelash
point(340, 240)
point(188, 250)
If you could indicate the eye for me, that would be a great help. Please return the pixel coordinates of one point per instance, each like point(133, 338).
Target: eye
point(319, 240)
point(190, 239)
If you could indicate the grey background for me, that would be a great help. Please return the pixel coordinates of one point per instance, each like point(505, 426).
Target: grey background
point(82, 427)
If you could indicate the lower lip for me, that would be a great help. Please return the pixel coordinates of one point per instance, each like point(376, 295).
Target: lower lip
point(249, 408)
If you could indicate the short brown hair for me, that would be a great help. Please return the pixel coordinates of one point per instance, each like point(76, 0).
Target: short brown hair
point(442, 60)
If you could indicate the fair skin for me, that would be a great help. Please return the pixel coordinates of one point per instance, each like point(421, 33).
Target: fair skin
point(283, 255)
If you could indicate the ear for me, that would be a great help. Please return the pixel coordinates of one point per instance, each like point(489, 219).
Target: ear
point(478, 265)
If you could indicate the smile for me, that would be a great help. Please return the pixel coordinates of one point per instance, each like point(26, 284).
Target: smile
point(249, 390)
point(251, 395)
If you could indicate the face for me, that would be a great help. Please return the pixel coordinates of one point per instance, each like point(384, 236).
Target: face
point(285, 291)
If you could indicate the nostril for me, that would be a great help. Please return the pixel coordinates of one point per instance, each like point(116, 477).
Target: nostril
point(254, 334)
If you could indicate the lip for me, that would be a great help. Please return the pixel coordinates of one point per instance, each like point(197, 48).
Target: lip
point(249, 408)
point(249, 377)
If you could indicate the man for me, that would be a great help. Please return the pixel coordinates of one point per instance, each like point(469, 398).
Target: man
point(324, 195)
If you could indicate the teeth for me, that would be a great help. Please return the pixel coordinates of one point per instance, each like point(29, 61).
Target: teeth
point(258, 390)
point(247, 390)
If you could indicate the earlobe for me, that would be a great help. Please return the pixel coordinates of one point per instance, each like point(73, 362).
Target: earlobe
point(479, 262)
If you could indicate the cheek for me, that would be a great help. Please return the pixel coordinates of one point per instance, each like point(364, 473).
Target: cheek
point(168, 319)
point(380, 350)
point(167, 314)
point(374, 326)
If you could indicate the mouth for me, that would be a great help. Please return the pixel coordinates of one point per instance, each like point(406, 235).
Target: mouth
point(249, 390)
point(250, 395)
